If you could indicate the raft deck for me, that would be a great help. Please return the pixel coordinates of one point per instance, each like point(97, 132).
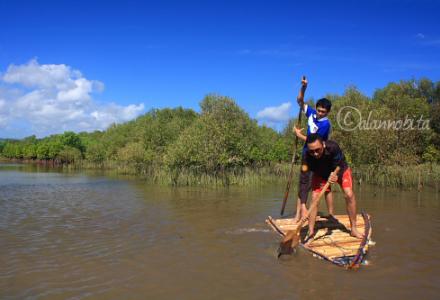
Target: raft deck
point(332, 240)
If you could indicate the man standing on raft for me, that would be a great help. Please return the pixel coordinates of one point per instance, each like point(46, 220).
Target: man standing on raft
point(322, 157)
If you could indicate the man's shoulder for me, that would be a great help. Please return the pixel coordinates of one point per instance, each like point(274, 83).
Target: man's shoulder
point(332, 145)
point(309, 110)
point(324, 123)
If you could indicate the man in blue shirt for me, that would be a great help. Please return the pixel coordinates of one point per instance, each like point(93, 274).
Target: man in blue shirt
point(317, 122)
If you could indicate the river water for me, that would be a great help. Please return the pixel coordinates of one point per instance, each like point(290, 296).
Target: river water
point(84, 236)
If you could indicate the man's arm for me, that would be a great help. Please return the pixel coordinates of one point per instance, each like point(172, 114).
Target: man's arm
point(302, 91)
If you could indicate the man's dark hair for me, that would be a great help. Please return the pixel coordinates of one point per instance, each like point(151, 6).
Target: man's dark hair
point(313, 137)
point(324, 103)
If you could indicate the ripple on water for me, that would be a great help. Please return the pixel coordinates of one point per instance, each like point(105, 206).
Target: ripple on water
point(74, 237)
point(57, 236)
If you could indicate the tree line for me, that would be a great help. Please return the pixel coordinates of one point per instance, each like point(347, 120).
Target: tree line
point(222, 138)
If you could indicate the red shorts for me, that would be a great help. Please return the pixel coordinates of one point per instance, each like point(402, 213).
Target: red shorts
point(345, 182)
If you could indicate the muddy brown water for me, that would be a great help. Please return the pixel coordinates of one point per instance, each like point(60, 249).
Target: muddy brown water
point(83, 236)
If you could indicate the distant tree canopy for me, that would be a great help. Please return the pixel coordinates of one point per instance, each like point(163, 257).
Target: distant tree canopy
point(408, 106)
point(223, 137)
point(66, 148)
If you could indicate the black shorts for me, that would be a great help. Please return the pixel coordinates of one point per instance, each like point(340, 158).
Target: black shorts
point(305, 184)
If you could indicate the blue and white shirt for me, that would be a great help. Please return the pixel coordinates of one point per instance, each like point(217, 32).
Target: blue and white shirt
point(314, 125)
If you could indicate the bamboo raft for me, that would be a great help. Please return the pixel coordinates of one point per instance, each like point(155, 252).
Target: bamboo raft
point(332, 240)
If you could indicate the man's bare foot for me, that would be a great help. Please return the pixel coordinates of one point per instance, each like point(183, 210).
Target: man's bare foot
point(309, 237)
point(356, 234)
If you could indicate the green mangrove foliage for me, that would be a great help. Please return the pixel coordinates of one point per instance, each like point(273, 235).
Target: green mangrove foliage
point(398, 126)
point(63, 148)
point(223, 140)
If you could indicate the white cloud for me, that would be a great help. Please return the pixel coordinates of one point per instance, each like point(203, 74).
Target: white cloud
point(114, 113)
point(79, 91)
point(275, 114)
point(33, 74)
point(55, 98)
point(3, 113)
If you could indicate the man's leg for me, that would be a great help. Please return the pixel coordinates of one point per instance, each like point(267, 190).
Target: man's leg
point(303, 188)
point(329, 201)
point(298, 211)
point(350, 200)
point(317, 183)
point(301, 211)
point(304, 210)
point(313, 213)
point(346, 182)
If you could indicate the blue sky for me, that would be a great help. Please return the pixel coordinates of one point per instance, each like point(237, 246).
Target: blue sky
point(118, 59)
